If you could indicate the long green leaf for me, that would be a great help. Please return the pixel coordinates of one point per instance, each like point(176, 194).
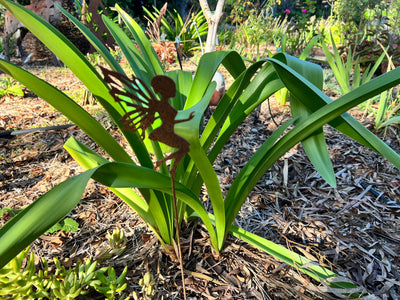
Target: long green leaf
point(97, 44)
point(392, 120)
point(144, 44)
point(337, 66)
point(154, 212)
point(207, 66)
point(88, 159)
point(315, 99)
point(61, 47)
point(69, 108)
point(249, 176)
point(190, 131)
point(38, 217)
point(183, 81)
point(263, 85)
point(315, 145)
point(339, 284)
point(226, 104)
point(133, 56)
point(205, 71)
point(302, 130)
point(309, 47)
point(371, 72)
point(332, 111)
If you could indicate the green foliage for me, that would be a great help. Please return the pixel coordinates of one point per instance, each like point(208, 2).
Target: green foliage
point(371, 43)
point(116, 245)
point(2, 14)
point(252, 37)
point(388, 104)
point(109, 283)
point(148, 191)
point(173, 27)
point(347, 69)
point(283, 94)
point(10, 87)
point(352, 11)
point(135, 8)
point(252, 33)
point(298, 35)
point(300, 25)
point(387, 113)
point(147, 283)
point(241, 10)
point(393, 14)
point(21, 281)
point(329, 27)
point(12, 212)
point(364, 40)
point(66, 225)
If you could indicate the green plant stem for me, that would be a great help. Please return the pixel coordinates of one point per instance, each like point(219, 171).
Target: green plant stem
point(178, 236)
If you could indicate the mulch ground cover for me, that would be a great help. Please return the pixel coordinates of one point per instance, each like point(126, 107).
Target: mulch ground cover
point(353, 229)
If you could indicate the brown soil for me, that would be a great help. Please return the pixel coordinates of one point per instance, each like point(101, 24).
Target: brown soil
point(347, 229)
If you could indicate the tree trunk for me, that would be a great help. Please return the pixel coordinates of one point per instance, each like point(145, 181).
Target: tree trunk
point(212, 21)
point(84, 13)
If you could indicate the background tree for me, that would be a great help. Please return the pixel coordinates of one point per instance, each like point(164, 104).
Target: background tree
point(213, 19)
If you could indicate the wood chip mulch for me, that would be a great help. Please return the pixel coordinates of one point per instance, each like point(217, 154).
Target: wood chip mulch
point(353, 229)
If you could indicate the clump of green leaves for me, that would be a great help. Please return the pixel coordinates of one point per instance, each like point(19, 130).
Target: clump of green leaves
point(21, 281)
point(388, 104)
point(187, 31)
point(298, 34)
point(66, 225)
point(147, 284)
point(11, 211)
point(347, 69)
point(116, 245)
point(109, 283)
point(9, 87)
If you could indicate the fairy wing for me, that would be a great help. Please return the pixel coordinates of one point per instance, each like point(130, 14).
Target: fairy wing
point(135, 95)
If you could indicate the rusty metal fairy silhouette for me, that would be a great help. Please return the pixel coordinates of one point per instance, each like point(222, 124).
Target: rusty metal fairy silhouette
point(147, 109)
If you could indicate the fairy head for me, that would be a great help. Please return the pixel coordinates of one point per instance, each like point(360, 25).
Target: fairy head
point(164, 85)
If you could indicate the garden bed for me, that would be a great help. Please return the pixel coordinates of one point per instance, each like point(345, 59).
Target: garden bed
point(347, 229)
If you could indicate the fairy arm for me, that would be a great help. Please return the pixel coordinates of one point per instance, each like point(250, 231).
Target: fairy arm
point(185, 120)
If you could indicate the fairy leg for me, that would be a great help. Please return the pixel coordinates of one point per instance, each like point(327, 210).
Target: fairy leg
point(172, 140)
